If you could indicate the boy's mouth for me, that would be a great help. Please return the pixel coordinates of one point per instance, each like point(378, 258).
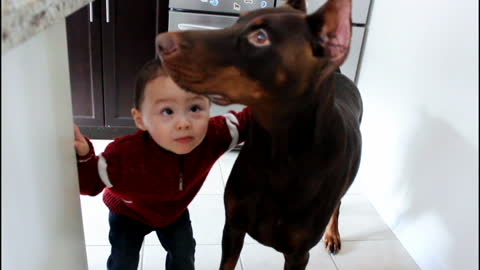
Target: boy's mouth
point(185, 139)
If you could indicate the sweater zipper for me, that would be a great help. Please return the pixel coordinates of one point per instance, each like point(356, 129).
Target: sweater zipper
point(180, 182)
point(180, 178)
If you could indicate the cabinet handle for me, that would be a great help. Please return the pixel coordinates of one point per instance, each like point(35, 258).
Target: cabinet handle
point(108, 11)
point(90, 7)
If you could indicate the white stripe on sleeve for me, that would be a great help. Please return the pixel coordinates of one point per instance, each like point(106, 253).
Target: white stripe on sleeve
point(102, 171)
point(231, 120)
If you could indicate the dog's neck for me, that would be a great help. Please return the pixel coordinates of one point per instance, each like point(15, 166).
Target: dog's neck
point(277, 115)
point(291, 125)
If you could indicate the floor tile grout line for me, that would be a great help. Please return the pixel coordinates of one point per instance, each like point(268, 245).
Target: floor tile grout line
point(142, 253)
point(221, 173)
point(322, 242)
point(333, 260)
point(211, 195)
point(241, 263)
point(369, 240)
point(159, 245)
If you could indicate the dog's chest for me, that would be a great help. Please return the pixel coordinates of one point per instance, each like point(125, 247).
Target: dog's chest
point(293, 180)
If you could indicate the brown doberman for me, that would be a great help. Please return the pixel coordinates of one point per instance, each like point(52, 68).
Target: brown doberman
point(303, 148)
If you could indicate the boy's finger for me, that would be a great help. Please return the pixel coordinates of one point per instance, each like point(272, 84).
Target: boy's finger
point(78, 134)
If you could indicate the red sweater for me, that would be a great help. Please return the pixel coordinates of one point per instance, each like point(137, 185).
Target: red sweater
point(150, 184)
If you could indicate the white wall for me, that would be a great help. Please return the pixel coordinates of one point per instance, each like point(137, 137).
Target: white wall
point(41, 217)
point(419, 80)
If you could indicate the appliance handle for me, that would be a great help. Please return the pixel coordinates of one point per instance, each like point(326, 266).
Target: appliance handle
point(189, 26)
point(90, 7)
point(107, 11)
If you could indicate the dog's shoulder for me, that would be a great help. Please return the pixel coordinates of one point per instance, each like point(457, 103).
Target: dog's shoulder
point(347, 95)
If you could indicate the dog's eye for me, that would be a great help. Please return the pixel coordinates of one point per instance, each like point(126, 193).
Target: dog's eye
point(259, 38)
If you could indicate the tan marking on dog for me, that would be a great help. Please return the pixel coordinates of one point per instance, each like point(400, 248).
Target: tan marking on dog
point(259, 21)
point(281, 78)
point(228, 81)
point(230, 264)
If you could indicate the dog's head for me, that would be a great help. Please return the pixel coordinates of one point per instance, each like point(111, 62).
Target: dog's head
point(269, 54)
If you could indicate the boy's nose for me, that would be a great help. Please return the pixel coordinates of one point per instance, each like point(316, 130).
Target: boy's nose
point(166, 44)
point(183, 124)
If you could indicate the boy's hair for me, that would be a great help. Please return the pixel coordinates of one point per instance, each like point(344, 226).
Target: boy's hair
point(150, 71)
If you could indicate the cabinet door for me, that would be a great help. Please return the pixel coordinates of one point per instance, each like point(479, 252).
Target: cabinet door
point(85, 63)
point(129, 29)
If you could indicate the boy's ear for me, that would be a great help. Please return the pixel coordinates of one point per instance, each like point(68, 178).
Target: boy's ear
point(331, 26)
point(137, 116)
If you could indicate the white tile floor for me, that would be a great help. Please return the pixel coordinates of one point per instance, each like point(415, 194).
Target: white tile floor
point(368, 244)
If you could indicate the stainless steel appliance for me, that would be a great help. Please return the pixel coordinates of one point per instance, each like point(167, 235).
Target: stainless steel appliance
point(216, 14)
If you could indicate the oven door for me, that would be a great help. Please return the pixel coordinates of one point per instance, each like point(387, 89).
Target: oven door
point(221, 6)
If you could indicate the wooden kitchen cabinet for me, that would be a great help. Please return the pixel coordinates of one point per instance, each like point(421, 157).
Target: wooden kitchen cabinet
point(108, 42)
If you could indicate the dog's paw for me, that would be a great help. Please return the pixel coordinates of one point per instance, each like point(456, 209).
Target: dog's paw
point(333, 243)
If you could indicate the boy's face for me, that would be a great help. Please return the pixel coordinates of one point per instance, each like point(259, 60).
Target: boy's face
point(177, 120)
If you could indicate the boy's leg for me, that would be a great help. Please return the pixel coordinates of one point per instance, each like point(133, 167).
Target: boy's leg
point(126, 237)
point(178, 241)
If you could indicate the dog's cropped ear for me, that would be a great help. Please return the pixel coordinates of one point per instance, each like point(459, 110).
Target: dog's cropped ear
point(296, 4)
point(331, 25)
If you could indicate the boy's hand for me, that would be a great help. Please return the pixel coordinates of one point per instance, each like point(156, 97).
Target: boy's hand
point(81, 146)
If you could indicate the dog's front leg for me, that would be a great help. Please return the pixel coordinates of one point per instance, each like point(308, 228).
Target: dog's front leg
point(296, 260)
point(232, 243)
point(332, 235)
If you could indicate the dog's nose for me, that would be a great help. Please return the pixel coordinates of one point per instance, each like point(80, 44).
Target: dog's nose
point(166, 44)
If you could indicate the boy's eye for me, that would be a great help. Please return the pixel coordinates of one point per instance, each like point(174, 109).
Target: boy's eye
point(196, 108)
point(167, 111)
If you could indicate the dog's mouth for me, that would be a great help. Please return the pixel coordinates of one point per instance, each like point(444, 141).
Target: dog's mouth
point(191, 80)
point(220, 99)
point(215, 98)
